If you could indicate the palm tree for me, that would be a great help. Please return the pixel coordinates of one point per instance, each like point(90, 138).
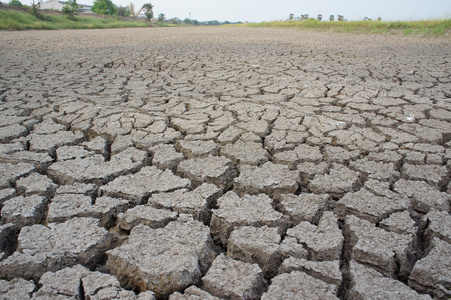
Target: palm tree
point(332, 18)
point(291, 17)
point(148, 11)
point(319, 17)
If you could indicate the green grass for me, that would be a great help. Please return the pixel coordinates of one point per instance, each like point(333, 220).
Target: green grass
point(429, 27)
point(14, 20)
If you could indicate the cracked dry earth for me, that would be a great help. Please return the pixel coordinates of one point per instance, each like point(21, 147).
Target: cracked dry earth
point(234, 163)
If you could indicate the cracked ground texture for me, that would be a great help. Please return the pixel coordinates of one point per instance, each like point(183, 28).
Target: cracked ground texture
point(234, 163)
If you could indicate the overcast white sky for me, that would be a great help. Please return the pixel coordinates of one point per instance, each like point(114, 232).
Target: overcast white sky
point(265, 10)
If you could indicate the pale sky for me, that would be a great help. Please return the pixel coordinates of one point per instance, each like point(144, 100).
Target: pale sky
point(265, 10)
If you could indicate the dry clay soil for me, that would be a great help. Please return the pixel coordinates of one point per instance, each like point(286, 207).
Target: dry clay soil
point(235, 163)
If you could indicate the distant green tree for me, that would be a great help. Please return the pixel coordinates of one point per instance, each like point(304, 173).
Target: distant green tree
point(291, 17)
point(15, 3)
point(70, 9)
point(148, 11)
point(340, 18)
point(379, 19)
point(332, 18)
point(161, 17)
point(123, 11)
point(213, 22)
point(104, 7)
point(319, 17)
point(175, 21)
point(305, 17)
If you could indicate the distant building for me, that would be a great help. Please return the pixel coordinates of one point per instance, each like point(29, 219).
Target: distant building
point(131, 8)
point(58, 5)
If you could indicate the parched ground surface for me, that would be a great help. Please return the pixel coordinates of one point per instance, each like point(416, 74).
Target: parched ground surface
point(224, 162)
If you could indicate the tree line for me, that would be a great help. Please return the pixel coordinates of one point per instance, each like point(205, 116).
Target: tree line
point(108, 8)
point(319, 17)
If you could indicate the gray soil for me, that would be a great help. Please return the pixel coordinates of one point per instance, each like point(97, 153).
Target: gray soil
point(235, 163)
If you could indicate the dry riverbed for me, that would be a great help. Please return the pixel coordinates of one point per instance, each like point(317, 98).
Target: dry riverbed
point(224, 162)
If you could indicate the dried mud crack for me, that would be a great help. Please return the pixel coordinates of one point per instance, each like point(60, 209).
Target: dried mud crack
point(230, 163)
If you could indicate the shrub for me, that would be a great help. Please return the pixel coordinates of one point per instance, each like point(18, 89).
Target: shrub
point(104, 7)
point(34, 10)
point(70, 9)
point(123, 11)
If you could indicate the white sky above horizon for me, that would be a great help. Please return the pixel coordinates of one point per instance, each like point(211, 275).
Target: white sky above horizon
point(264, 10)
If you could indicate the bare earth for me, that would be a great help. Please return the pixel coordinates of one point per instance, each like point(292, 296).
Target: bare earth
point(234, 163)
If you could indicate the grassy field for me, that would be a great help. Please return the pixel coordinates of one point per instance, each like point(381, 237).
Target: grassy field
point(429, 27)
point(15, 20)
